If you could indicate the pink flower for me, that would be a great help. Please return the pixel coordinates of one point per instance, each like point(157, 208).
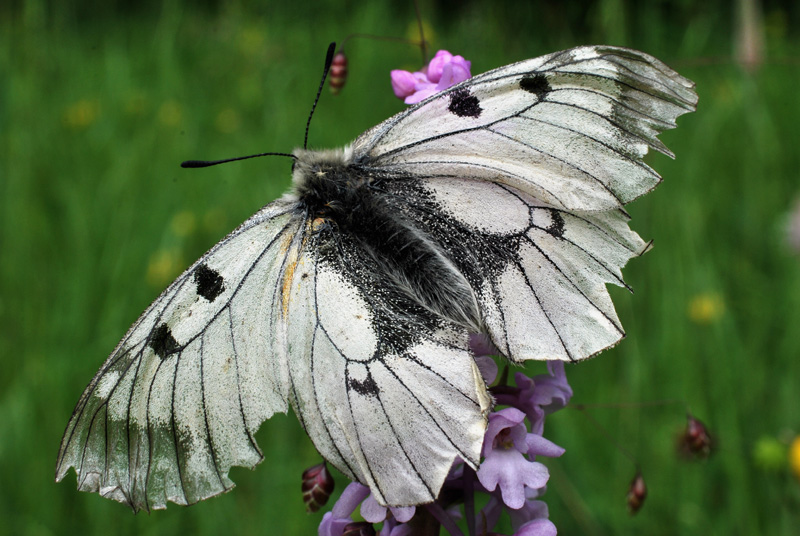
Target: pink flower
point(404, 82)
point(443, 71)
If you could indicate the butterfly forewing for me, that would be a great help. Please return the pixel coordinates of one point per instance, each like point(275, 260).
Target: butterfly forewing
point(569, 128)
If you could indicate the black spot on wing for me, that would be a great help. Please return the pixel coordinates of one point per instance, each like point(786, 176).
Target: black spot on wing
point(162, 342)
point(557, 226)
point(464, 104)
point(536, 84)
point(365, 387)
point(209, 283)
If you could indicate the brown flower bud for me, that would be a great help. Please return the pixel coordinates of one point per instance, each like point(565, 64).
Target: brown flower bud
point(695, 440)
point(317, 487)
point(338, 73)
point(636, 493)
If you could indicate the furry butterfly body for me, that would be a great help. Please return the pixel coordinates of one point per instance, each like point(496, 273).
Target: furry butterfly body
point(494, 206)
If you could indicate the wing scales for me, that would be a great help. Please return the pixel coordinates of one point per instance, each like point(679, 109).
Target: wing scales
point(177, 403)
point(390, 403)
point(536, 269)
point(588, 160)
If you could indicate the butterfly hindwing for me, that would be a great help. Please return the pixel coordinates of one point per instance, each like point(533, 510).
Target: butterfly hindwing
point(569, 128)
point(539, 272)
point(179, 400)
point(388, 392)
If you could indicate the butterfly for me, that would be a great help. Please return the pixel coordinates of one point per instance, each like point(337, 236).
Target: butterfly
point(493, 207)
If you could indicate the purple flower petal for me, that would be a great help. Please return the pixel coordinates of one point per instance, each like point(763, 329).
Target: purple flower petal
point(333, 526)
point(403, 83)
point(481, 344)
point(436, 65)
point(375, 513)
point(372, 511)
point(463, 66)
point(505, 426)
point(537, 527)
point(532, 509)
point(528, 401)
point(393, 528)
point(542, 394)
point(351, 497)
point(553, 390)
point(453, 73)
point(443, 71)
point(512, 472)
point(539, 446)
point(423, 92)
point(488, 368)
point(403, 513)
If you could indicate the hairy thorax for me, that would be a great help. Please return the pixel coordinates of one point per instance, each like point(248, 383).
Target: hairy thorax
point(356, 202)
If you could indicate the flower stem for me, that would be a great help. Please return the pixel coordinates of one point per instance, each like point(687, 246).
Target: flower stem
point(436, 511)
point(424, 523)
point(469, 499)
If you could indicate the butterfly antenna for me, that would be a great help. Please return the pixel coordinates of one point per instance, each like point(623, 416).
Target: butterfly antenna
point(206, 163)
point(328, 61)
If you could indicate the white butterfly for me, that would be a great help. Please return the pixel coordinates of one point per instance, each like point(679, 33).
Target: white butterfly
point(495, 206)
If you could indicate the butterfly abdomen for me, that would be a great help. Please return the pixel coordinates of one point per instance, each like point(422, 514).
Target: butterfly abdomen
point(352, 200)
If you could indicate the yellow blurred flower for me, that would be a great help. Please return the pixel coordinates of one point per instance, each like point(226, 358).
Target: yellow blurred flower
point(170, 113)
point(228, 121)
point(82, 113)
point(163, 267)
point(794, 456)
point(706, 308)
point(183, 223)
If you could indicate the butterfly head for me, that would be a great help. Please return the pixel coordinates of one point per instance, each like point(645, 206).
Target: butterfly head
point(326, 184)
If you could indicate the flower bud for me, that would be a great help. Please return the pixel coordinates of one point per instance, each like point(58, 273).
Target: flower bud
point(636, 494)
point(317, 487)
point(695, 440)
point(338, 73)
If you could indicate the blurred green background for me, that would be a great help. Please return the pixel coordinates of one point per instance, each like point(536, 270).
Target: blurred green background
point(100, 101)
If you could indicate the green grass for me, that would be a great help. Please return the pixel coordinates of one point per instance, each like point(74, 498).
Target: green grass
point(98, 108)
